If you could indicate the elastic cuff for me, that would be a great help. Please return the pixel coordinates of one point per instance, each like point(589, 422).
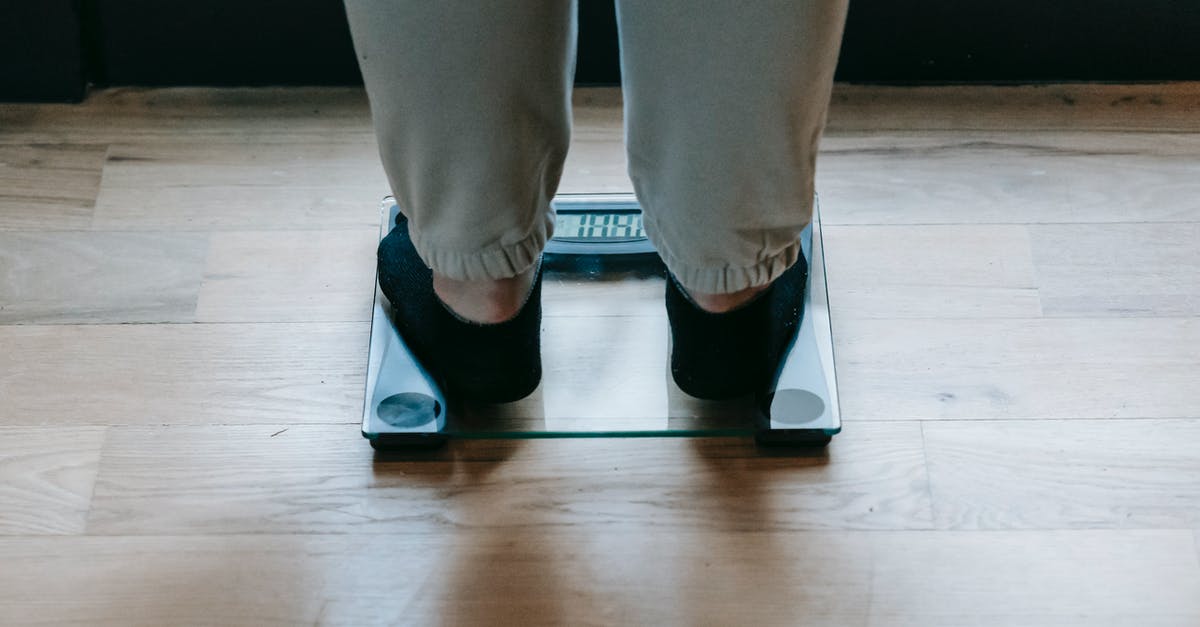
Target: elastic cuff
point(501, 261)
point(729, 279)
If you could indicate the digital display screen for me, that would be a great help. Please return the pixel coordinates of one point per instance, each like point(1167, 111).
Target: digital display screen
point(599, 226)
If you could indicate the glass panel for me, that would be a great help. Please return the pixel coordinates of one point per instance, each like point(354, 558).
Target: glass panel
point(605, 355)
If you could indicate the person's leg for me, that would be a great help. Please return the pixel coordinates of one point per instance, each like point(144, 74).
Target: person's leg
point(725, 104)
point(471, 105)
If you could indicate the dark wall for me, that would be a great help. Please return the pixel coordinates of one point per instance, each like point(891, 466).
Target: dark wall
point(257, 42)
point(49, 48)
point(598, 61)
point(41, 54)
point(221, 42)
point(1021, 41)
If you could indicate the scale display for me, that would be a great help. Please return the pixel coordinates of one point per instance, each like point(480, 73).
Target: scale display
point(598, 226)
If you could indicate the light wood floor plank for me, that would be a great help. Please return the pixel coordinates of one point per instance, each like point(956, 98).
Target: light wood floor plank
point(124, 114)
point(245, 161)
point(1048, 619)
point(46, 478)
point(304, 479)
point(1023, 369)
point(1077, 142)
point(189, 186)
point(182, 374)
point(555, 578)
point(239, 207)
point(596, 162)
point(935, 271)
point(48, 186)
point(571, 576)
point(1197, 534)
point(965, 180)
point(1037, 578)
point(1065, 474)
point(289, 276)
point(1169, 107)
point(91, 277)
point(1142, 270)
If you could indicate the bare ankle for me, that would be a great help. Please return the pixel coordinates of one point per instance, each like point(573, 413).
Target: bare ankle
point(487, 301)
point(721, 303)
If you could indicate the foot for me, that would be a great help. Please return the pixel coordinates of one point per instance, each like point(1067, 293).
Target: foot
point(726, 346)
point(487, 301)
point(722, 303)
point(481, 340)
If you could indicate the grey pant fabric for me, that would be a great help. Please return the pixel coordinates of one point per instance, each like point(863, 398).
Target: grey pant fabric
point(724, 107)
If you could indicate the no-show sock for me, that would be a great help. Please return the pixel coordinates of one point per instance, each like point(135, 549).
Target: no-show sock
point(493, 363)
point(718, 356)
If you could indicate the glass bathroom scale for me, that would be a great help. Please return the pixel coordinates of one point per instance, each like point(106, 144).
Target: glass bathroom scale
point(606, 352)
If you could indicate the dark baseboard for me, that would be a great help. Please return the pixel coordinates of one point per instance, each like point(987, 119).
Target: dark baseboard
point(49, 49)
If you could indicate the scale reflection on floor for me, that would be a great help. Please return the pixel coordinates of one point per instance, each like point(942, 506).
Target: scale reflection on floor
point(605, 353)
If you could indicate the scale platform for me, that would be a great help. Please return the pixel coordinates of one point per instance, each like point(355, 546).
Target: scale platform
point(606, 353)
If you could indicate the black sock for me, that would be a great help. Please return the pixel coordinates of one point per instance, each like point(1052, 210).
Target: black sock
point(493, 363)
point(725, 355)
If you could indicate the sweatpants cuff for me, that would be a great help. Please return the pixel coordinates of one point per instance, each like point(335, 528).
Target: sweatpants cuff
point(501, 261)
point(727, 279)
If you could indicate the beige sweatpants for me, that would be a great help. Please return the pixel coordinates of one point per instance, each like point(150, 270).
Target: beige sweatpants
point(724, 106)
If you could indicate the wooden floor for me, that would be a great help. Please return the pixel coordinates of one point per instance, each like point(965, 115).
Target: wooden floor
point(185, 285)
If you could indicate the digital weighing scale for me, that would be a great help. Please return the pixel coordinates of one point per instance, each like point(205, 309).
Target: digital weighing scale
point(598, 235)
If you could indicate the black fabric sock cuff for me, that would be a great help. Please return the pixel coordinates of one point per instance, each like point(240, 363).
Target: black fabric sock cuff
point(725, 355)
point(485, 362)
